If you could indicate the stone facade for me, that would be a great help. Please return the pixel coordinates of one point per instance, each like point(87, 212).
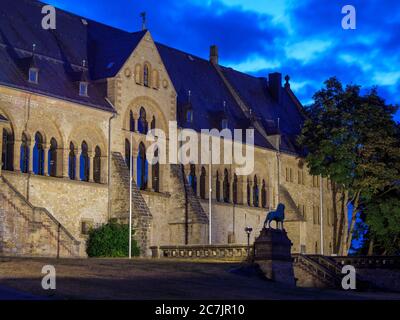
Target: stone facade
point(172, 215)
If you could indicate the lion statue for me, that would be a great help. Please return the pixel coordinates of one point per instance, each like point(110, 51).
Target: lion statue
point(278, 215)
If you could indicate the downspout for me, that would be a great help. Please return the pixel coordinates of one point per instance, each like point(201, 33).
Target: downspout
point(109, 160)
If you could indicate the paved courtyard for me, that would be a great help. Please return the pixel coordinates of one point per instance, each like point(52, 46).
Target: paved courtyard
point(151, 279)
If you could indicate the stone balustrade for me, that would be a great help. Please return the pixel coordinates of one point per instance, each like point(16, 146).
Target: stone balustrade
point(380, 262)
point(229, 252)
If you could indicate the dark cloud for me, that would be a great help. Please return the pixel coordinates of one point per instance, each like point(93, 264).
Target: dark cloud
point(314, 48)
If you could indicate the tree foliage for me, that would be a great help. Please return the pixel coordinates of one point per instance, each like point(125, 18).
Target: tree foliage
point(352, 139)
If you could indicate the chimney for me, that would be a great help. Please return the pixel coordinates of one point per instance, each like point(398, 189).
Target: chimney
point(275, 85)
point(214, 54)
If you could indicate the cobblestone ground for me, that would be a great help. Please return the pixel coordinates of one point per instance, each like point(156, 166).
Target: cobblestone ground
point(151, 279)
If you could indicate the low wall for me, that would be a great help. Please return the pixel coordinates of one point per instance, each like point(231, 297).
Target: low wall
point(221, 252)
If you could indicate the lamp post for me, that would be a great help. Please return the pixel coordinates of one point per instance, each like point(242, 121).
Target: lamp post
point(248, 230)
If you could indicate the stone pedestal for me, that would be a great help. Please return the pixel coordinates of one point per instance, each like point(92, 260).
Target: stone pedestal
point(272, 254)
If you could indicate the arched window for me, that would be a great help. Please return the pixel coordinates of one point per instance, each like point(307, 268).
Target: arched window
point(142, 168)
point(203, 183)
point(256, 200)
point(218, 188)
point(7, 153)
point(192, 178)
point(226, 186)
point(142, 123)
point(128, 153)
point(131, 122)
point(146, 81)
point(189, 115)
point(97, 165)
point(264, 195)
point(155, 173)
point(235, 189)
point(53, 158)
point(248, 192)
point(38, 155)
point(72, 162)
point(84, 162)
point(24, 162)
point(153, 123)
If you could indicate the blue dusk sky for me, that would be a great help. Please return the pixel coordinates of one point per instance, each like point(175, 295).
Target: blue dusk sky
point(304, 39)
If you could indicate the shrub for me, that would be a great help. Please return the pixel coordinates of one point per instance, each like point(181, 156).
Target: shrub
point(110, 240)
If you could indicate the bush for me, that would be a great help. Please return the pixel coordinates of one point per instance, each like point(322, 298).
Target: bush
point(110, 240)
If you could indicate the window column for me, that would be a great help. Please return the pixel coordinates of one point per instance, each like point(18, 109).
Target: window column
point(31, 148)
point(91, 165)
point(78, 163)
point(17, 155)
point(65, 162)
point(46, 159)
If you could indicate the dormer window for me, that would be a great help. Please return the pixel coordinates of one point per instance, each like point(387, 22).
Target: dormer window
point(33, 75)
point(224, 124)
point(83, 89)
point(189, 115)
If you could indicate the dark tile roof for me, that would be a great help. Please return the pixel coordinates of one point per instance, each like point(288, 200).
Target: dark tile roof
point(59, 55)
point(208, 93)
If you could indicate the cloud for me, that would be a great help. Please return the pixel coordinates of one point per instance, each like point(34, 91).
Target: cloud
point(301, 38)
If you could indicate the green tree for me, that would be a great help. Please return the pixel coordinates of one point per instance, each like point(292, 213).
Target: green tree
point(110, 240)
point(352, 139)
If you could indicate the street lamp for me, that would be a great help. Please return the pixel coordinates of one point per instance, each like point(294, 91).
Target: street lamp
point(248, 230)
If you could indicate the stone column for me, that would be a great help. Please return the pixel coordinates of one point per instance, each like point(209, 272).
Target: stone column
point(243, 189)
point(251, 194)
point(46, 159)
point(136, 127)
point(65, 162)
point(17, 155)
point(214, 183)
point(134, 156)
point(78, 164)
point(91, 166)
point(31, 147)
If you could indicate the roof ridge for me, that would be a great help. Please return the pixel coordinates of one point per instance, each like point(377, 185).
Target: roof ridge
point(183, 52)
point(69, 13)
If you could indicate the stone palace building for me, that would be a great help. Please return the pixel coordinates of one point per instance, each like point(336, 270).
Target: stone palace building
point(70, 99)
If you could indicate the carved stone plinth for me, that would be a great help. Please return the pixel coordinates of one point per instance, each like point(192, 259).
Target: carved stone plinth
point(272, 254)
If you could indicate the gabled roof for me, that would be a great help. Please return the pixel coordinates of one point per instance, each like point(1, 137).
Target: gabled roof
point(59, 53)
point(208, 94)
point(59, 56)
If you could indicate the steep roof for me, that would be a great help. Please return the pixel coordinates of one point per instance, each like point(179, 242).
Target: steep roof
point(61, 52)
point(208, 93)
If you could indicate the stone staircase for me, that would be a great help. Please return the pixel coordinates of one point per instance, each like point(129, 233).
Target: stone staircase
point(322, 271)
point(26, 230)
point(196, 213)
point(188, 223)
point(141, 215)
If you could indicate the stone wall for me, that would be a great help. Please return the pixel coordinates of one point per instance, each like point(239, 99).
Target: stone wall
point(70, 202)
